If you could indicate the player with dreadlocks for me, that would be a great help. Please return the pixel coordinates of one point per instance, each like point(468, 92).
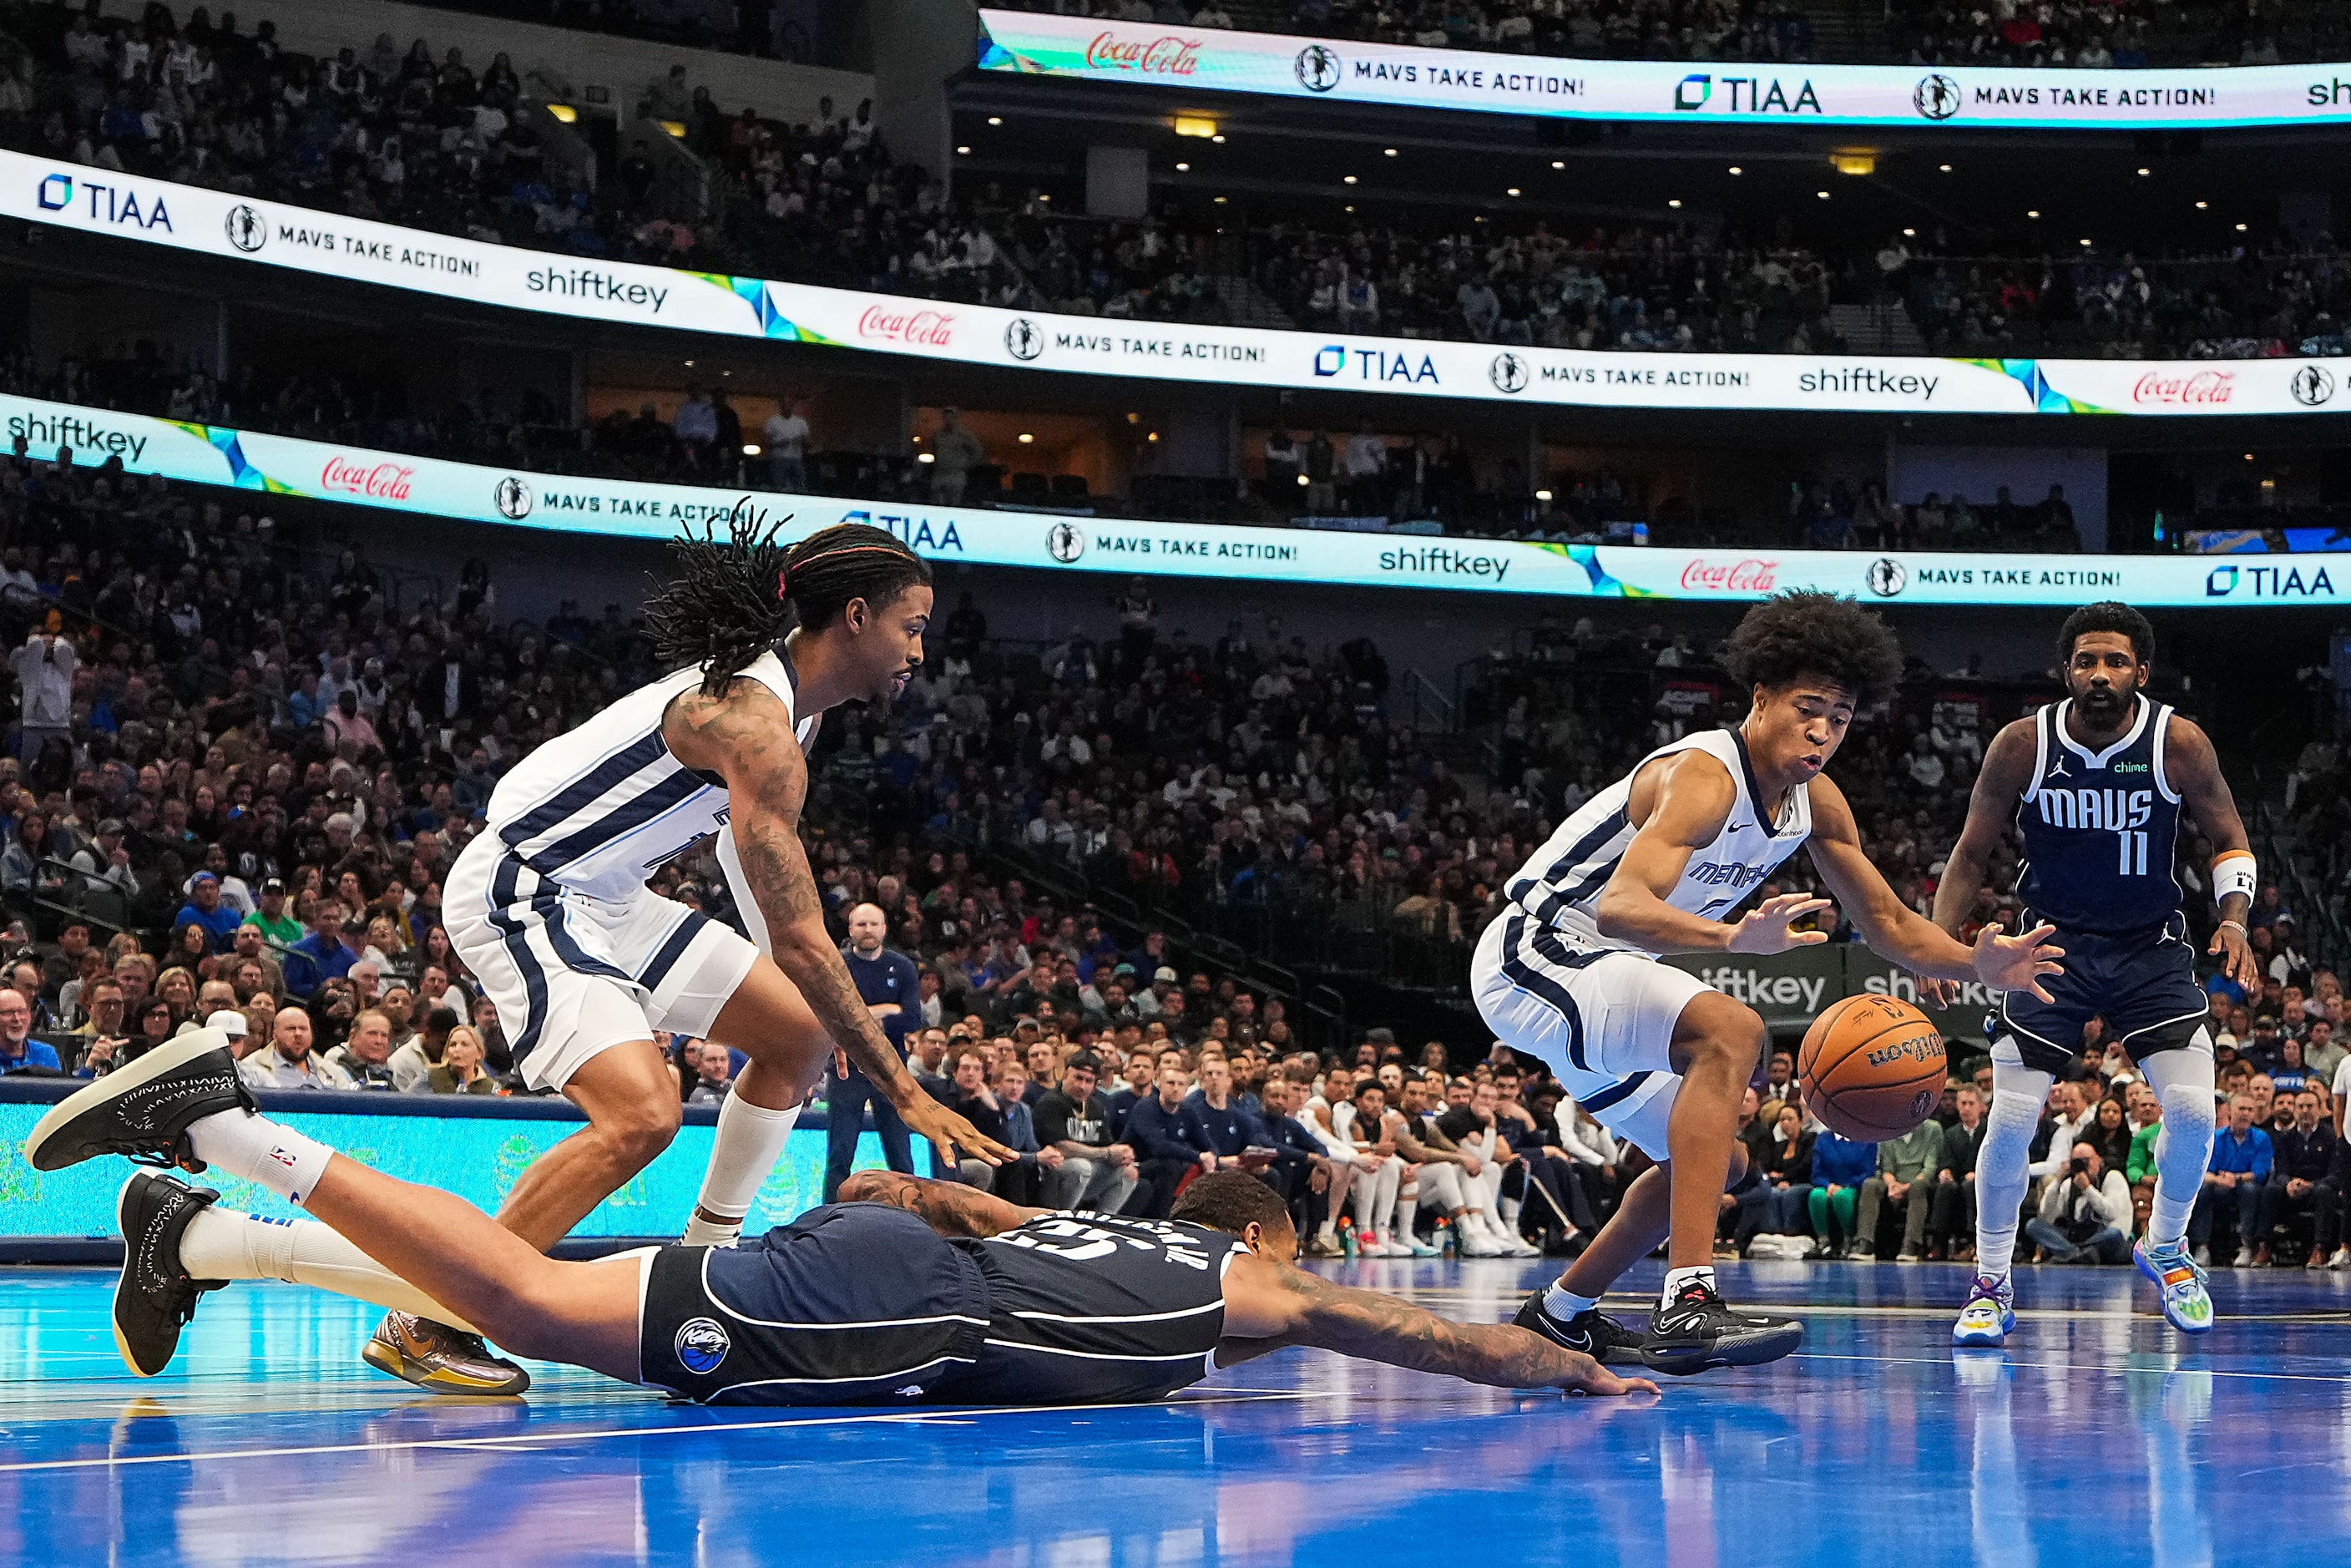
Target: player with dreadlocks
point(1662, 861)
point(548, 906)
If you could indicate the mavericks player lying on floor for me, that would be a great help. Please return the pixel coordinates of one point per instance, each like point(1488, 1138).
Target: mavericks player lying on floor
point(1660, 862)
point(930, 1291)
point(2095, 786)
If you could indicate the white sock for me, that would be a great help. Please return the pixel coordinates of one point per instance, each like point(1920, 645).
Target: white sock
point(245, 1143)
point(1563, 1303)
point(1677, 1278)
point(225, 1244)
point(750, 1140)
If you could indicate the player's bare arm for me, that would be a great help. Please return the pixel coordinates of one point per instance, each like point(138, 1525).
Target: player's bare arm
point(1681, 804)
point(2000, 784)
point(1896, 931)
point(2195, 769)
point(1268, 1305)
point(744, 736)
point(948, 1207)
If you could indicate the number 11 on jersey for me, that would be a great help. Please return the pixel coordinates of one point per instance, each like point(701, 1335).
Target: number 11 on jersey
point(2131, 847)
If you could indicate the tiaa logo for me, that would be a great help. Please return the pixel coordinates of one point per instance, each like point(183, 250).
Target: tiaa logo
point(702, 1345)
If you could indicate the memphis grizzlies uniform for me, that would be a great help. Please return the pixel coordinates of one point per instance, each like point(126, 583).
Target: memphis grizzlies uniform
point(548, 906)
point(1598, 1010)
point(861, 1303)
point(2099, 829)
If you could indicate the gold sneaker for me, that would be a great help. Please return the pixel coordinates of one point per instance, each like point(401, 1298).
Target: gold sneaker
point(437, 1357)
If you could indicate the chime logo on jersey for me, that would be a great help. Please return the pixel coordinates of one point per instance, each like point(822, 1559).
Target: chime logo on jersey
point(2095, 808)
point(702, 1345)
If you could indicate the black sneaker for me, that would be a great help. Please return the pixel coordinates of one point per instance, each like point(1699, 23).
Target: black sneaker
point(1591, 1331)
point(154, 1297)
point(143, 1110)
point(1696, 1331)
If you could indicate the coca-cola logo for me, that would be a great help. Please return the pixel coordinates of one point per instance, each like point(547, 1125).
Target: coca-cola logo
point(1752, 575)
point(917, 329)
point(1166, 56)
point(2176, 391)
point(377, 481)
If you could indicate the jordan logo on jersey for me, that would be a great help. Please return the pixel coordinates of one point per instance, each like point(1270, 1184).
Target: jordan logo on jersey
point(2096, 809)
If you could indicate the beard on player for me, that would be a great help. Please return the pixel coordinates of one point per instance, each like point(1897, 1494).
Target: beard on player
point(2107, 650)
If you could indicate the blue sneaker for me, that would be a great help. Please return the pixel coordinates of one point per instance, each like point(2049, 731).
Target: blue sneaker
point(1990, 1316)
point(2186, 1304)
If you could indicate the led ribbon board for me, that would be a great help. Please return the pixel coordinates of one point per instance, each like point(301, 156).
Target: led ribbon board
point(225, 225)
point(321, 471)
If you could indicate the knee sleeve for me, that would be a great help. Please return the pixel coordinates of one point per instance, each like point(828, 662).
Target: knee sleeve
point(2184, 1147)
point(2008, 1145)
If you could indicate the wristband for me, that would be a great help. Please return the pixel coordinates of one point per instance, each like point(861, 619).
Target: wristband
point(2234, 873)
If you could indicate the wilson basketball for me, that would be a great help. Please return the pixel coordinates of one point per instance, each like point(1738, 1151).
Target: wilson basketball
point(1871, 1067)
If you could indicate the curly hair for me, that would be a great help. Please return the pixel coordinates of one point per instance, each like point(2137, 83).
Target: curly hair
point(735, 598)
point(2107, 615)
point(1796, 636)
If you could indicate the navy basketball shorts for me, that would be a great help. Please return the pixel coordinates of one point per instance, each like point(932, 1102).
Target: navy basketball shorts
point(862, 1303)
point(2143, 984)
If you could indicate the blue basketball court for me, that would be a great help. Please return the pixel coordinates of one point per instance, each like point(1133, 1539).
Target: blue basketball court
point(2099, 1435)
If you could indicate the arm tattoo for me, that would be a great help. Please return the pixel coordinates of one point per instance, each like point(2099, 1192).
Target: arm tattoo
point(1375, 1327)
point(749, 733)
point(947, 1207)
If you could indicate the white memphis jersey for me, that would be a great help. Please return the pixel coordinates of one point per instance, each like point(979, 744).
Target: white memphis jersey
point(598, 809)
point(1561, 882)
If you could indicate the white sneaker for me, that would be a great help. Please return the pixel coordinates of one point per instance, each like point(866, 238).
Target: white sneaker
point(1520, 1246)
point(2203, 1257)
point(1478, 1237)
point(2244, 1258)
point(2342, 1259)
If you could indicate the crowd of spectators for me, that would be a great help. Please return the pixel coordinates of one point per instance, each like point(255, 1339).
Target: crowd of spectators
point(776, 29)
point(2280, 297)
point(2097, 35)
point(425, 140)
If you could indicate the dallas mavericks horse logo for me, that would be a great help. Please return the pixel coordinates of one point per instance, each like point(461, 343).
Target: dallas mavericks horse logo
point(1318, 68)
point(702, 1345)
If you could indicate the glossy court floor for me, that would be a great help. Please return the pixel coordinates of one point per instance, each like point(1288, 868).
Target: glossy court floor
point(2097, 1437)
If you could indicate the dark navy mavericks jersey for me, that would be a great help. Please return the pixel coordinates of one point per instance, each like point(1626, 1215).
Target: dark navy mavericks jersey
point(2099, 827)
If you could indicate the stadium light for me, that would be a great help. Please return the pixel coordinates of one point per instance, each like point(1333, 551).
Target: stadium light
point(1736, 170)
point(1026, 439)
point(963, 151)
point(1392, 153)
point(1349, 180)
point(1853, 161)
point(1183, 168)
point(1944, 167)
point(563, 112)
point(1675, 202)
point(1197, 125)
point(1514, 191)
point(996, 119)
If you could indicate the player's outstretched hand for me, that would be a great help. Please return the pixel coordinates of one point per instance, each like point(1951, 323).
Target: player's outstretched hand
point(1765, 928)
point(2239, 961)
point(926, 1118)
point(2017, 963)
point(1585, 1376)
